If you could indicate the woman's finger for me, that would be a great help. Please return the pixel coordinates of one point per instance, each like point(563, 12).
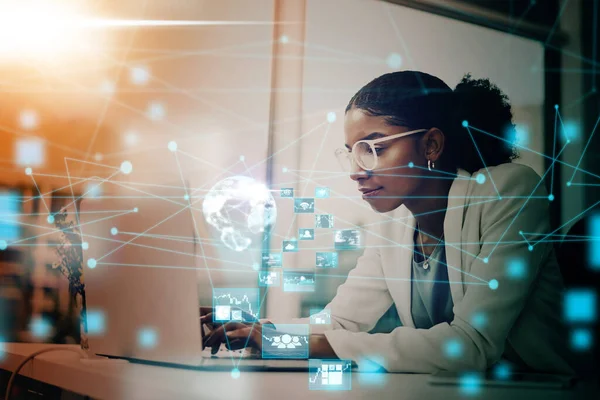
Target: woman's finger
point(217, 336)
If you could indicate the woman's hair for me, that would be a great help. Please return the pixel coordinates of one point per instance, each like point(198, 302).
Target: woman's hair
point(418, 100)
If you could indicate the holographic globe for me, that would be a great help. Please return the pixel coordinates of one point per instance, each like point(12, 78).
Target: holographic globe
point(241, 209)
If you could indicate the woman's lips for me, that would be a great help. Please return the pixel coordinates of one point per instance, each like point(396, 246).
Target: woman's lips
point(372, 193)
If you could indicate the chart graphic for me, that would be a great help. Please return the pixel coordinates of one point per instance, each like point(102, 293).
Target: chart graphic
point(269, 278)
point(320, 316)
point(235, 304)
point(298, 281)
point(347, 239)
point(329, 374)
point(328, 259)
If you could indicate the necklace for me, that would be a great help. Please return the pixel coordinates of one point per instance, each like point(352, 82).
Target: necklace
point(426, 263)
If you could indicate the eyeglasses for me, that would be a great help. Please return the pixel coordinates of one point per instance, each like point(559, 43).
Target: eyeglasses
point(364, 152)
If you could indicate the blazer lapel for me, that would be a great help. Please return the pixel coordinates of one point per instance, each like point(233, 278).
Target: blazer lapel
point(398, 268)
point(453, 223)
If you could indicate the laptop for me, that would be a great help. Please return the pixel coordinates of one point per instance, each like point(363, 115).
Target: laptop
point(144, 289)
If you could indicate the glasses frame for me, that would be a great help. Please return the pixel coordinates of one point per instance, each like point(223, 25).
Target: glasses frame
point(371, 143)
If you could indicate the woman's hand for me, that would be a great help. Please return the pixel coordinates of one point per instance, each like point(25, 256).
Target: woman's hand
point(235, 335)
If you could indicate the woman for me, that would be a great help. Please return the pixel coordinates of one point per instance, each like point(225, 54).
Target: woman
point(466, 215)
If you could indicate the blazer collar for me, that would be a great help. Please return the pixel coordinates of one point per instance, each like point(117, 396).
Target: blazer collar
point(403, 252)
point(453, 223)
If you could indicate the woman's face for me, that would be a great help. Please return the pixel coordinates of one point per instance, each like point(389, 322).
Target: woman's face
point(392, 182)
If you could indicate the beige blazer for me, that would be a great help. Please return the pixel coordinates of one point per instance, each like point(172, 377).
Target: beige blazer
point(520, 319)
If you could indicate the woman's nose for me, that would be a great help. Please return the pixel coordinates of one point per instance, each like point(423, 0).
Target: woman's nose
point(356, 172)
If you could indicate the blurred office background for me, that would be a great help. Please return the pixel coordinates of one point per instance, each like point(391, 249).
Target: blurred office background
point(261, 94)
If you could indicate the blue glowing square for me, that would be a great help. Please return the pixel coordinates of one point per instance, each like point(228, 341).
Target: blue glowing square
point(580, 305)
point(581, 339)
point(270, 260)
point(298, 281)
point(324, 221)
point(286, 192)
point(290, 246)
point(594, 242)
point(478, 320)
point(327, 259)
point(268, 278)
point(10, 209)
point(347, 239)
point(320, 316)
point(96, 323)
point(40, 328)
point(29, 152)
point(2, 348)
point(322, 192)
point(306, 234)
point(147, 338)
point(515, 268)
point(236, 304)
point(287, 341)
point(329, 374)
point(304, 205)
point(453, 348)
point(502, 371)
point(470, 383)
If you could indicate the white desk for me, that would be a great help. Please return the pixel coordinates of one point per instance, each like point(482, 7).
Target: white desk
point(135, 381)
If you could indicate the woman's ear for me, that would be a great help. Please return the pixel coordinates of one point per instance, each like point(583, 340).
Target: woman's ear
point(434, 140)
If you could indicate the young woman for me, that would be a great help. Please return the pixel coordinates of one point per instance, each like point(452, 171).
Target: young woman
point(464, 263)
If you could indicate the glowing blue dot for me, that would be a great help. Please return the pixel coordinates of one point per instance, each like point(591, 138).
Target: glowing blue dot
point(172, 145)
point(242, 158)
point(486, 260)
point(479, 320)
point(139, 75)
point(156, 111)
point(581, 339)
point(515, 268)
point(135, 209)
point(50, 219)
point(91, 263)
point(3, 245)
point(95, 322)
point(453, 348)
point(148, 338)
point(502, 371)
point(551, 197)
point(480, 178)
point(255, 266)
point(521, 135)
point(28, 171)
point(394, 60)
point(85, 245)
point(284, 169)
point(470, 383)
point(29, 119)
point(465, 123)
point(114, 231)
point(126, 167)
point(331, 117)
point(580, 305)
point(530, 248)
point(284, 39)
point(186, 197)
point(556, 106)
point(411, 164)
point(40, 327)
point(493, 284)
point(235, 373)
